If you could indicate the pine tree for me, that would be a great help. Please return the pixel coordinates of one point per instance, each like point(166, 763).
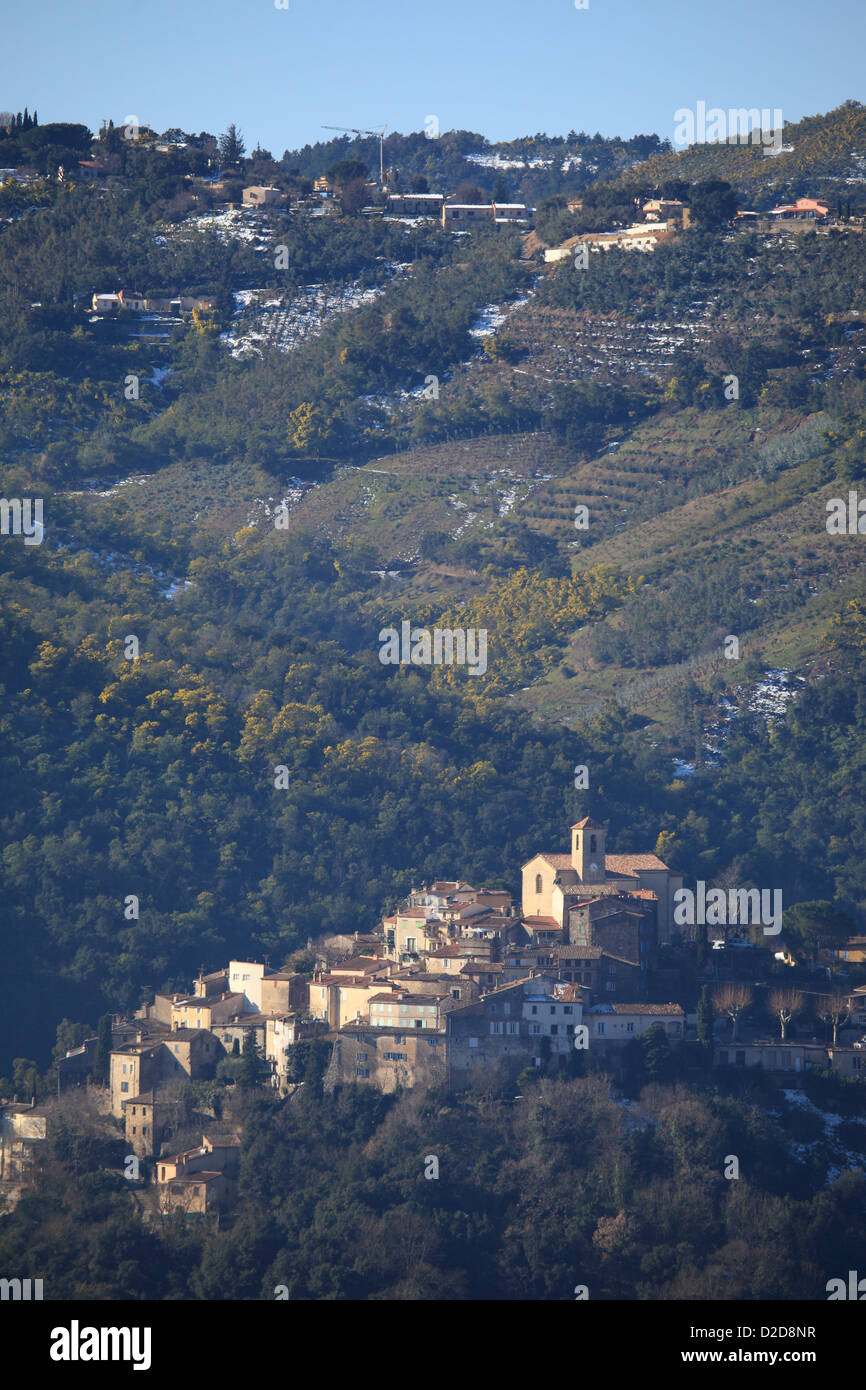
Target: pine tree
point(231, 146)
point(656, 1053)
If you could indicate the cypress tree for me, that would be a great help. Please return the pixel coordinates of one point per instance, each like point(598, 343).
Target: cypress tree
point(705, 1022)
point(102, 1056)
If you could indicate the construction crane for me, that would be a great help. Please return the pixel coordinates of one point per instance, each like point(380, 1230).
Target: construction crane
point(377, 134)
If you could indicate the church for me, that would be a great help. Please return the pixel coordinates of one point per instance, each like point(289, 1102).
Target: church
point(555, 884)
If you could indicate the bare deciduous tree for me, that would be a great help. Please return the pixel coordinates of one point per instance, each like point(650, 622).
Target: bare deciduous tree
point(835, 1011)
point(785, 1003)
point(733, 1000)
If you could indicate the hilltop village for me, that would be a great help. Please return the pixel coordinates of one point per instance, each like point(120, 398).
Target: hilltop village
point(456, 980)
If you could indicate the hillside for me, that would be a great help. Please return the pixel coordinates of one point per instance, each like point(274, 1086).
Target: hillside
point(827, 159)
point(426, 412)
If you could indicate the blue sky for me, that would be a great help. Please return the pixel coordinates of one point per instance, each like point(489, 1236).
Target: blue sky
point(503, 67)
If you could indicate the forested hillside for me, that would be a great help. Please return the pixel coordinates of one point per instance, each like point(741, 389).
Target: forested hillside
point(566, 1194)
point(454, 504)
point(286, 429)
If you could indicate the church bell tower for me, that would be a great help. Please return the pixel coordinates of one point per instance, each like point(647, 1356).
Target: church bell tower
point(587, 850)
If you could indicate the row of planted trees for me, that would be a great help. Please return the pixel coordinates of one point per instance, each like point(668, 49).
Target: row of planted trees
point(783, 1004)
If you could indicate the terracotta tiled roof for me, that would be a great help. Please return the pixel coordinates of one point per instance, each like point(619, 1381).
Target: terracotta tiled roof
point(567, 992)
point(357, 965)
point(630, 863)
point(145, 1098)
point(346, 981)
point(558, 861)
point(402, 997)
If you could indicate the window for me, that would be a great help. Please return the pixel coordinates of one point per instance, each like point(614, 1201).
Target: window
point(740, 1059)
point(455, 994)
point(473, 1042)
point(535, 1029)
point(599, 1028)
point(123, 1069)
point(133, 1111)
point(552, 1010)
point(506, 1008)
point(124, 1085)
point(410, 943)
point(569, 1028)
point(362, 1073)
point(497, 1027)
point(610, 986)
point(360, 1056)
point(534, 1008)
point(554, 1029)
point(538, 883)
point(134, 1130)
point(592, 844)
point(629, 1027)
point(512, 1028)
point(568, 1009)
point(723, 1058)
point(195, 1192)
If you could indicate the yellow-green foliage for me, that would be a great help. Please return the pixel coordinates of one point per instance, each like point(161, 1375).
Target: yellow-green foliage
point(528, 619)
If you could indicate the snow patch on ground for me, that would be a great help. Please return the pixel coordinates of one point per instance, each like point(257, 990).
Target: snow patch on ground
point(263, 318)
